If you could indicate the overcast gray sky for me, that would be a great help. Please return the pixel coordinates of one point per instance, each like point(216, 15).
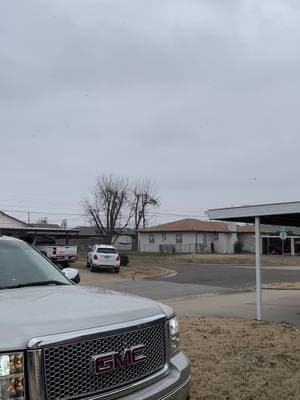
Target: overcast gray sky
point(201, 96)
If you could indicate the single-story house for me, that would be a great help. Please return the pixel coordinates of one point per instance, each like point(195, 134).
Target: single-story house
point(197, 236)
point(188, 236)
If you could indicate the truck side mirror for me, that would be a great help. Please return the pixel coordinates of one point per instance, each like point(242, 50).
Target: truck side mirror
point(72, 274)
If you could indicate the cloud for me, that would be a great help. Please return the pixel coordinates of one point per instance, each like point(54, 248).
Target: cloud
point(200, 96)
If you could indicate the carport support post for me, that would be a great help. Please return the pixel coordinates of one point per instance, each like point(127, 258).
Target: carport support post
point(258, 267)
point(292, 246)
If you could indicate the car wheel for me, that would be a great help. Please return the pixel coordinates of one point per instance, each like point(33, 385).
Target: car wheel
point(88, 264)
point(117, 270)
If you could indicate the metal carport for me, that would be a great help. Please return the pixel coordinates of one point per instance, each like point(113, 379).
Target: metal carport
point(284, 214)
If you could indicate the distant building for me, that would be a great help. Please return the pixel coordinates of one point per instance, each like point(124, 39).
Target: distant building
point(12, 226)
point(89, 235)
point(196, 236)
point(188, 236)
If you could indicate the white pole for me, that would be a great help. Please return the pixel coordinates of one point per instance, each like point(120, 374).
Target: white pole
point(258, 268)
point(292, 246)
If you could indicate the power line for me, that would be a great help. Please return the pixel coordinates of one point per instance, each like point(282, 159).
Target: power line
point(30, 208)
point(43, 212)
point(153, 214)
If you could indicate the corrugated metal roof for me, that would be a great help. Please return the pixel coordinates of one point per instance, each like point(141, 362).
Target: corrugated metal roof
point(280, 214)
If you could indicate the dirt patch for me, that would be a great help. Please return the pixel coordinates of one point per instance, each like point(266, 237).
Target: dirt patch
point(282, 286)
point(242, 360)
point(129, 272)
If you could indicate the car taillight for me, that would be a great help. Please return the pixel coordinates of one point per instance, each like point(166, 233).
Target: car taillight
point(118, 258)
point(95, 257)
point(54, 251)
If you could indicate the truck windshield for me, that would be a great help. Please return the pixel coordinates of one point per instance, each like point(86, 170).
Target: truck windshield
point(21, 265)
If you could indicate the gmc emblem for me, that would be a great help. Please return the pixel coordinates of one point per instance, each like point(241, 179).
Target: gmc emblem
point(104, 363)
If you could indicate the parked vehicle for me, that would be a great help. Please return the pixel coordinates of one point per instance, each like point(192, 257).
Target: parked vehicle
point(99, 345)
point(63, 255)
point(103, 256)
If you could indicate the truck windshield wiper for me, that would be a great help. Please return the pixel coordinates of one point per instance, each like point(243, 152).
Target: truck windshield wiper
point(38, 283)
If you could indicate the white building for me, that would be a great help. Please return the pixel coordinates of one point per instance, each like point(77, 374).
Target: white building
point(8, 222)
point(12, 226)
point(188, 236)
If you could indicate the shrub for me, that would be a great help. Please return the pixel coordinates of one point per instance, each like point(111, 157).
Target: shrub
point(238, 247)
point(124, 260)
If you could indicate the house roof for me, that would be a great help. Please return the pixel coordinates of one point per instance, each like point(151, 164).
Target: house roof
point(50, 226)
point(266, 229)
point(14, 218)
point(189, 225)
point(249, 228)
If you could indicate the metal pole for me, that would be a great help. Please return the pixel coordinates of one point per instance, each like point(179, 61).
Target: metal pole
point(258, 268)
point(292, 246)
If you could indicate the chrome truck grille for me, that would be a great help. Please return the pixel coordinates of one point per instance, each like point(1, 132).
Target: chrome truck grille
point(69, 370)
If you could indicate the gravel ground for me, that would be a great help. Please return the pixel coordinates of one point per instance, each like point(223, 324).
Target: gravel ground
point(242, 360)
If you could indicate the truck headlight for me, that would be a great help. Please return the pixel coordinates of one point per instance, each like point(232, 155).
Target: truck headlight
point(174, 336)
point(12, 376)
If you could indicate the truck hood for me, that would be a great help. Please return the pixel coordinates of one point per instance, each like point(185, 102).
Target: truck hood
point(39, 311)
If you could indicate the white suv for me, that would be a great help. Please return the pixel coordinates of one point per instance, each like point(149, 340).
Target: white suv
point(103, 256)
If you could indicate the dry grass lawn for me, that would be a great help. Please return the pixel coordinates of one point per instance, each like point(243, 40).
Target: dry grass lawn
point(242, 360)
point(240, 259)
point(282, 286)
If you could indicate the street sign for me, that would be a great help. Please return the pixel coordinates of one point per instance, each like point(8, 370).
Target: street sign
point(283, 229)
point(283, 235)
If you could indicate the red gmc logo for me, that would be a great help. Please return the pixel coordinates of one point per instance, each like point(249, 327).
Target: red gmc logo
point(104, 363)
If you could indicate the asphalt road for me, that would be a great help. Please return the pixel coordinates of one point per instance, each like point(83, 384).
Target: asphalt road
point(219, 291)
point(193, 280)
point(230, 277)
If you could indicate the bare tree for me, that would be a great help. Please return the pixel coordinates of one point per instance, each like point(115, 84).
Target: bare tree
point(108, 206)
point(144, 196)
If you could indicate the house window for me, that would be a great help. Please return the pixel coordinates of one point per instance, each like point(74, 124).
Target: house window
point(216, 236)
point(163, 236)
point(178, 237)
point(151, 238)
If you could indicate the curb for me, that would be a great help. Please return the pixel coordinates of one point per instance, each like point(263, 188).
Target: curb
point(164, 274)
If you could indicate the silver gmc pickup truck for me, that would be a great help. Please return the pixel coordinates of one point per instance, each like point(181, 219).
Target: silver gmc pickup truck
point(59, 341)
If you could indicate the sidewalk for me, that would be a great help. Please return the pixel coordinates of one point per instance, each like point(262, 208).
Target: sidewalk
point(278, 305)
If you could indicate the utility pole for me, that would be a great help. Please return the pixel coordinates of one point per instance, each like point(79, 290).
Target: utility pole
point(28, 217)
